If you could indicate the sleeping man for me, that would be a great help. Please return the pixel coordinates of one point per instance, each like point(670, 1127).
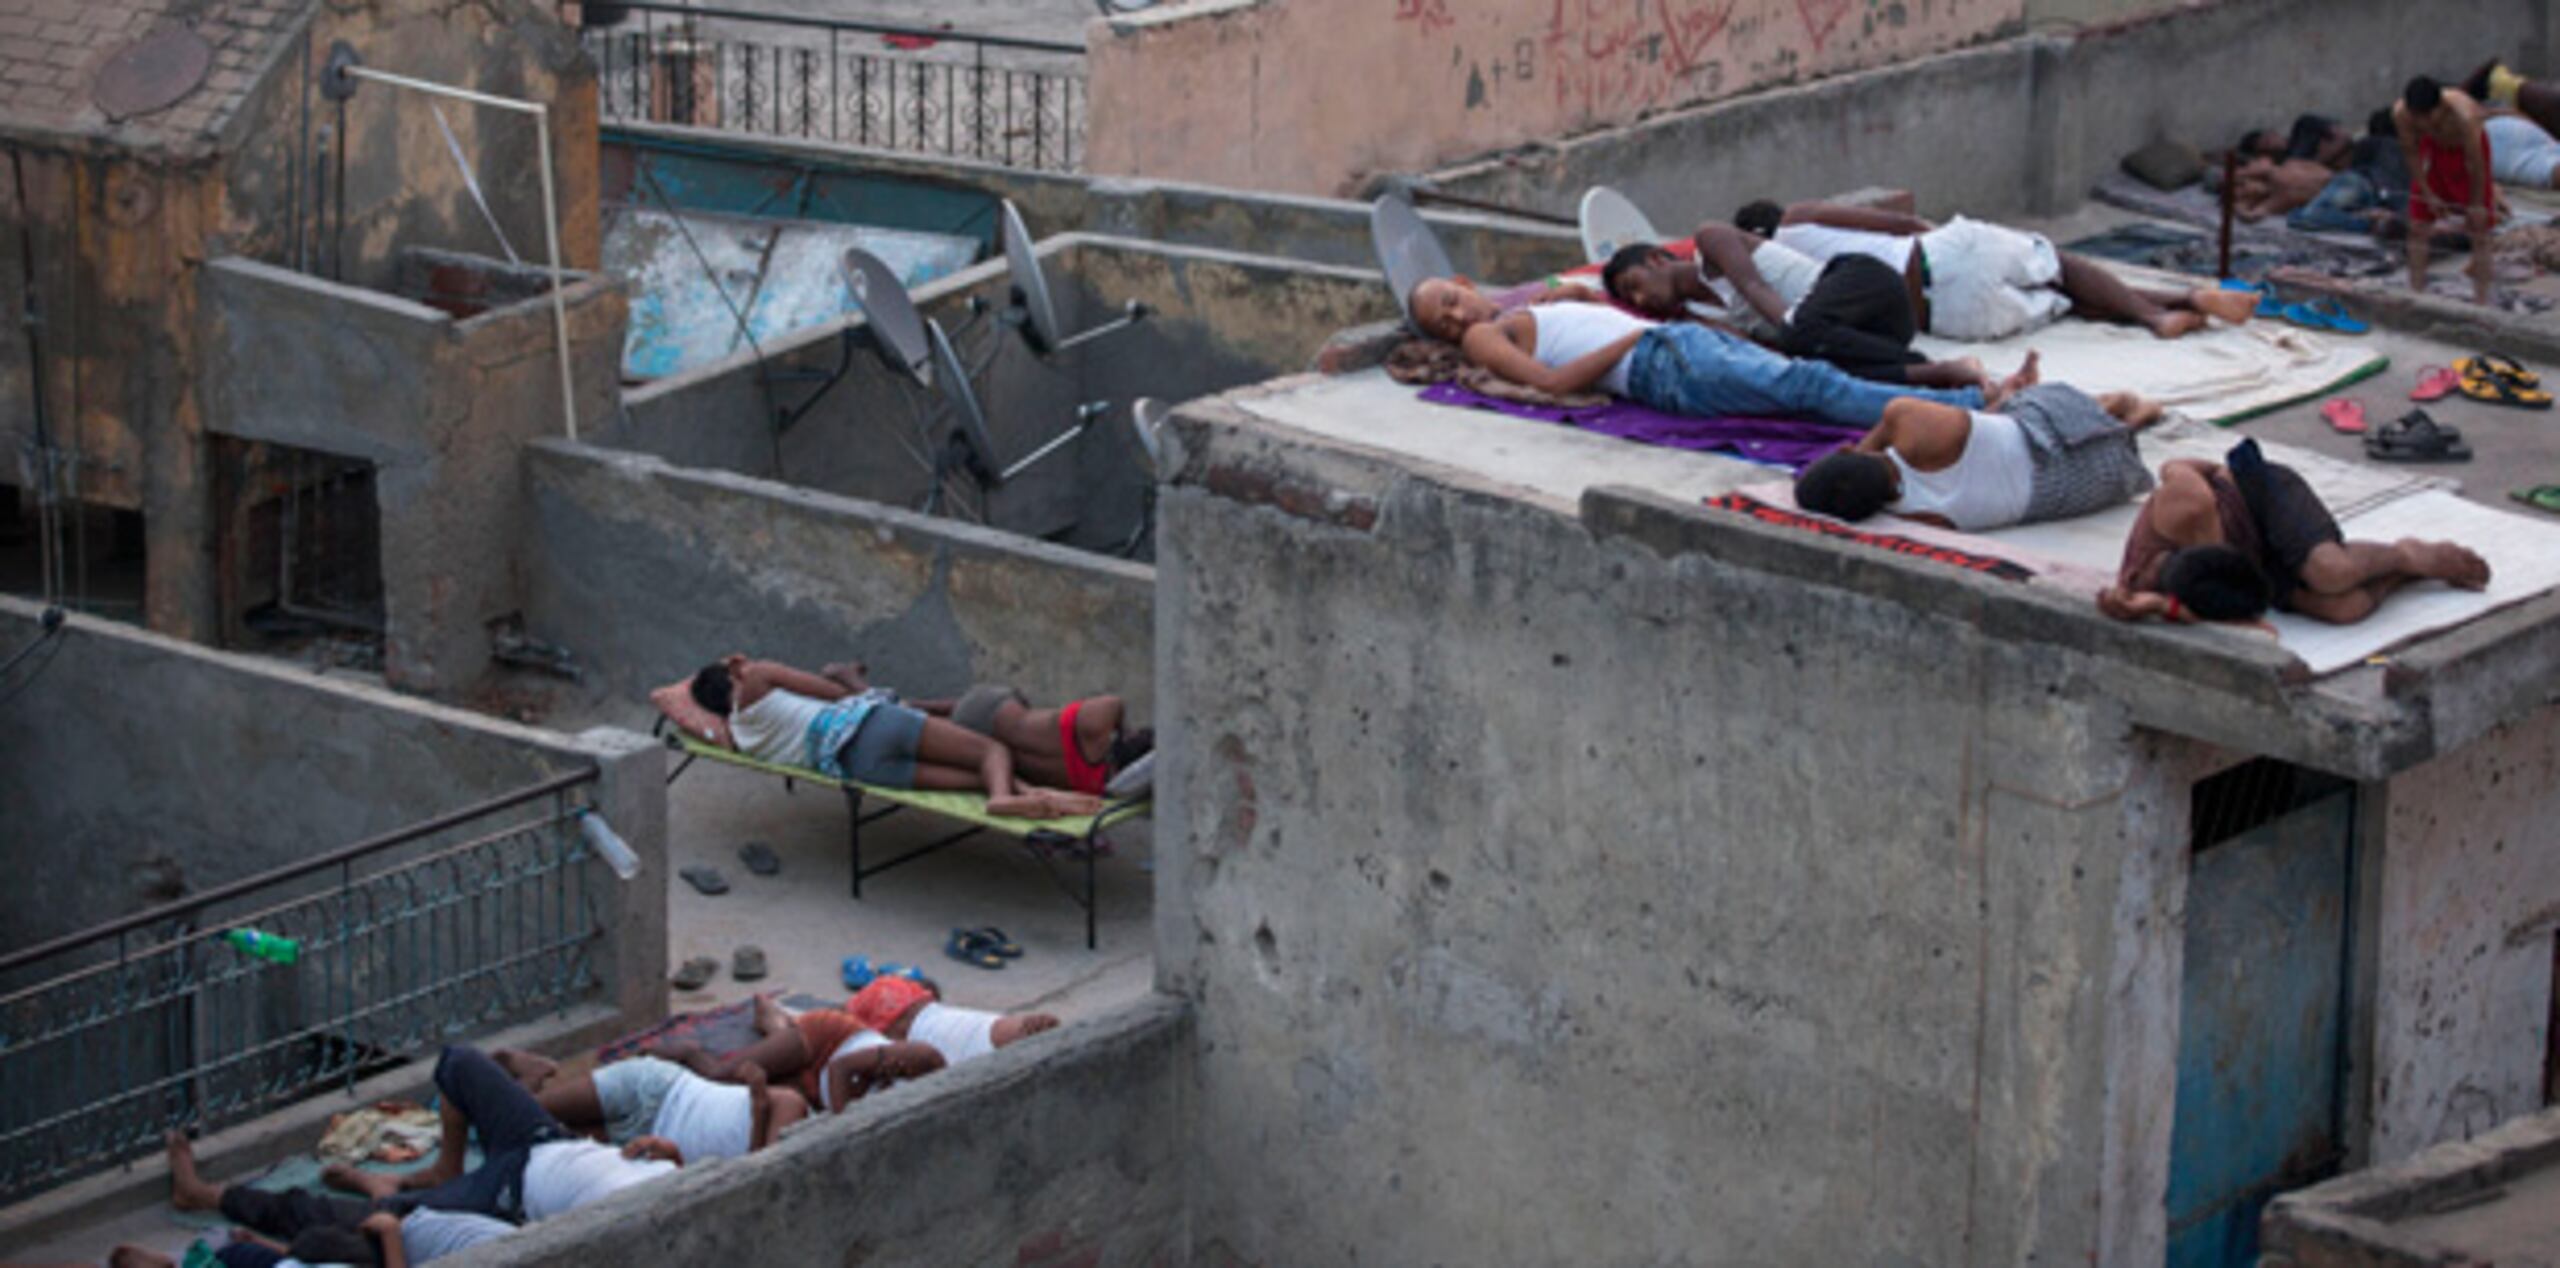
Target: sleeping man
point(840, 728)
point(649, 1096)
point(2050, 453)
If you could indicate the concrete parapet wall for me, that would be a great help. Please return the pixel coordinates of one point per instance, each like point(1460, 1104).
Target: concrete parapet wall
point(646, 571)
point(1065, 1150)
point(2024, 125)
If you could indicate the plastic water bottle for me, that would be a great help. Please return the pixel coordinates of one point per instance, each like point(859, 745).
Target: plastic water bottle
point(608, 845)
point(271, 947)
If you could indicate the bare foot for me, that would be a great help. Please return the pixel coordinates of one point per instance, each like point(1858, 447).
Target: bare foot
point(2172, 325)
point(187, 1189)
point(372, 1184)
point(770, 1019)
point(137, 1257)
point(2028, 376)
point(2234, 307)
point(2456, 566)
point(2132, 409)
point(529, 1070)
point(1013, 1028)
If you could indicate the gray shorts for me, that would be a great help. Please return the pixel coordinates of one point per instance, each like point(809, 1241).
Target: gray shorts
point(977, 708)
point(631, 1090)
point(883, 749)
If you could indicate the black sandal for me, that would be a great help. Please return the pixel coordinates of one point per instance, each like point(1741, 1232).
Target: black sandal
point(2416, 437)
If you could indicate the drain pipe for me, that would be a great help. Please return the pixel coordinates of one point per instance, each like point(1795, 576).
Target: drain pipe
point(344, 66)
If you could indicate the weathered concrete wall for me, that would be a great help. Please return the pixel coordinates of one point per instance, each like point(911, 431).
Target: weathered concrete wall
point(441, 407)
point(1062, 1152)
point(1219, 319)
point(645, 572)
point(2023, 125)
point(1665, 914)
point(1311, 95)
point(153, 769)
point(2479, 1201)
point(2470, 908)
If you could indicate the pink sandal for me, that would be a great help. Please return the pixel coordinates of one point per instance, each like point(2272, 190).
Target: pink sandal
point(2435, 383)
point(2345, 414)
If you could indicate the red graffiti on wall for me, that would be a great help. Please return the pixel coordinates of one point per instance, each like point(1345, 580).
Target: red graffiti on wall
point(1608, 57)
point(1431, 15)
point(1821, 18)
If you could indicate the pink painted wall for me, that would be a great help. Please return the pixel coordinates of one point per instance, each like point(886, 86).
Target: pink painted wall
point(1310, 96)
point(2470, 896)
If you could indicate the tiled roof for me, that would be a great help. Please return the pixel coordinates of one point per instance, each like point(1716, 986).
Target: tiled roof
point(51, 50)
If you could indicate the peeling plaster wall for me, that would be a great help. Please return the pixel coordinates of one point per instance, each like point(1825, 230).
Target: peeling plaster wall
point(2469, 913)
point(1310, 95)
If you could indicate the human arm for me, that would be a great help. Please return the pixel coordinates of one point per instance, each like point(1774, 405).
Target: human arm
point(1563, 292)
point(657, 1147)
point(1729, 250)
point(759, 1106)
point(385, 1228)
point(750, 679)
point(1871, 219)
point(855, 1075)
point(1879, 437)
point(675, 700)
point(2134, 605)
point(2475, 162)
point(939, 707)
point(1490, 344)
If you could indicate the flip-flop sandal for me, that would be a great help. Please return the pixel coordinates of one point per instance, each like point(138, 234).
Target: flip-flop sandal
point(2416, 438)
point(858, 972)
point(2326, 314)
point(2344, 413)
point(2498, 390)
point(2268, 304)
point(2435, 383)
point(696, 973)
point(970, 949)
point(760, 858)
point(708, 880)
point(998, 943)
point(2497, 365)
point(747, 964)
point(2541, 497)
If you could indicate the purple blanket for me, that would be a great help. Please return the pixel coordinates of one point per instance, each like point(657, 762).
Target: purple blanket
point(1778, 442)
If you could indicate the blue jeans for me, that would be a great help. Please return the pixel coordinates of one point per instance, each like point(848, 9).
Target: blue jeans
point(2344, 205)
point(1685, 368)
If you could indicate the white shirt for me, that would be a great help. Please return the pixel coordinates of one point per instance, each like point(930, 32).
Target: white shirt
point(855, 1042)
point(1826, 243)
point(1987, 487)
point(959, 1034)
point(428, 1234)
point(1569, 330)
point(706, 1120)
point(776, 727)
point(563, 1175)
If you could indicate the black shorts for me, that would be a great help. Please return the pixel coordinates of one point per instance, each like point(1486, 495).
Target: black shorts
point(2292, 522)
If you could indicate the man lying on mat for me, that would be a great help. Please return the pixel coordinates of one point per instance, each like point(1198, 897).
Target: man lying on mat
point(2224, 542)
point(791, 717)
point(650, 1096)
point(1080, 747)
point(1853, 312)
point(1676, 367)
point(2051, 453)
point(314, 1228)
point(835, 1056)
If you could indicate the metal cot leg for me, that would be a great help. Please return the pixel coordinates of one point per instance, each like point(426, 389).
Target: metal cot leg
point(853, 835)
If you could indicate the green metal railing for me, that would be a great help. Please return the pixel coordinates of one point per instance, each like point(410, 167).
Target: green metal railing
point(113, 1036)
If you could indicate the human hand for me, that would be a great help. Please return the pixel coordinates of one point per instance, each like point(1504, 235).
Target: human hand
point(653, 1147)
point(381, 1224)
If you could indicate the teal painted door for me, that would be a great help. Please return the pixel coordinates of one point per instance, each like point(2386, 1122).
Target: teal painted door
point(2262, 1012)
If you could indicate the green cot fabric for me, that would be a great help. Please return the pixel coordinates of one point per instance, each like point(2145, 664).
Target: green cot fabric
point(967, 807)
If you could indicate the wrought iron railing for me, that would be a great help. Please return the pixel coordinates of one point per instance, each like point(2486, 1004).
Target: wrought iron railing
point(991, 98)
point(356, 959)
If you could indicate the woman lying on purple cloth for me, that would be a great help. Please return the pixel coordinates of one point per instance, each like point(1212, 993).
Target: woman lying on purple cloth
point(1677, 368)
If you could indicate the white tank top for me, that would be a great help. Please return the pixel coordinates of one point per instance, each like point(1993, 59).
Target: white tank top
point(1789, 272)
point(1988, 486)
point(959, 1034)
point(776, 727)
point(1569, 330)
point(1825, 243)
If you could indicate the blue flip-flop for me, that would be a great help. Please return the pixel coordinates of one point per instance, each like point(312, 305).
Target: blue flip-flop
point(2268, 304)
point(2322, 314)
point(858, 972)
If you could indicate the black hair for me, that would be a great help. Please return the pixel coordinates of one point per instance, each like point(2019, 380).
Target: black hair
point(1848, 485)
point(1130, 747)
point(1760, 216)
point(2380, 123)
point(1632, 255)
point(2308, 132)
point(711, 688)
point(2422, 95)
point(2216, 583)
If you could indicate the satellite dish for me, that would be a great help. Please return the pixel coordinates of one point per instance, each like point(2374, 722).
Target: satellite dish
point(1610, 223)
point(1146, 417)
point(968, 420)
point(1030, 288)
point(1408, 251)
point(898, 331)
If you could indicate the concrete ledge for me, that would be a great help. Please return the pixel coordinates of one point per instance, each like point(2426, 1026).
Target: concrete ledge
point(2348, 1220)
point(237, 1151)
point(1064, 1150)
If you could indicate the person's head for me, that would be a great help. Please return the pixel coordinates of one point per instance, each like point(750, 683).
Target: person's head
point(2317, 138)
point(1760, 216)
point(2379, 124)
point(2216, 583)
point(1847, 485)
point(1641, 276)
point(2264, 143)
point(712, 688)
point(2422, 97)
point(1445, 307)
point(1129, 746)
